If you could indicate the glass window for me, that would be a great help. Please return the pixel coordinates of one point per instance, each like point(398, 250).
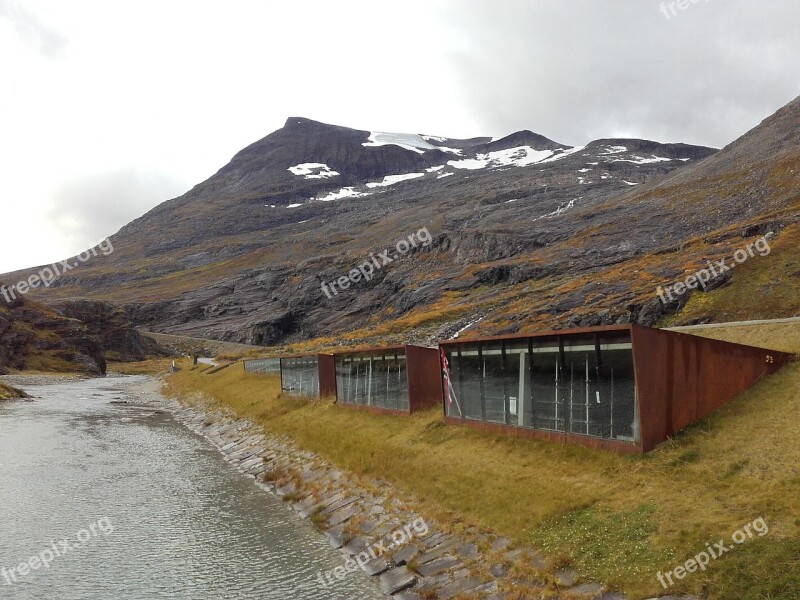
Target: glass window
point(575, 384)
point(373, 379)
point(300, 376)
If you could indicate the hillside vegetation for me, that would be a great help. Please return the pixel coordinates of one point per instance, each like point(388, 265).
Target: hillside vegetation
point(619, 520)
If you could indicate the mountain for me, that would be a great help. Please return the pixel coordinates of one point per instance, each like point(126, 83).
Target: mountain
point(524, 233)
point(76, 337)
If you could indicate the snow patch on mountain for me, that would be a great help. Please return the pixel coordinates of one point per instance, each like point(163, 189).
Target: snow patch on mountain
point(409, 141)
point(346, 192)
point(313, 170)
point(640, 160)
point(392, 179)
point(613, 150)
point(563, 154)
point(520, 156)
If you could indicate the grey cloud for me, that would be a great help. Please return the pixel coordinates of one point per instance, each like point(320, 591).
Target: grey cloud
point(88, 209)
point(586, 69)
point(32, 30)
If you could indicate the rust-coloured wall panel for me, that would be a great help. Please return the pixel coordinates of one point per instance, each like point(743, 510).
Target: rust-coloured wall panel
point(424, 378)
point(327, 375)
point(682, 377)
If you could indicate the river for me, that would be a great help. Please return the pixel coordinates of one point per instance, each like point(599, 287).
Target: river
point(122, 501)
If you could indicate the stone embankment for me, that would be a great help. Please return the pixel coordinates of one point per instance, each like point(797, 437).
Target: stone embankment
point(383, 534)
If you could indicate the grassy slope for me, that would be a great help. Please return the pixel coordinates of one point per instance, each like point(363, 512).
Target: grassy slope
point(773, 281)
point(617, 519)
point(8, 393)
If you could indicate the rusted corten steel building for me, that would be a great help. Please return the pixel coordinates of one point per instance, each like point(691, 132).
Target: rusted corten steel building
point(310, 376)
point(624, 388)
point(398, 379)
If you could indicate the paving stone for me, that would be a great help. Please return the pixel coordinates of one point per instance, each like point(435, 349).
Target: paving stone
point(324, 502)
point(397, 580)
point(498, 570)
point(405, 554)
point(336, 537)
point(430, 541)
point(612, 596)
point(345, 514)
point(305, 504)
point(341, 503)
point(386, 528)
point(368, 526)
point(464, 584)
point(486, 588)
point(356, 545)
point(438, 551)
point(499, 544)
point(377, 566)
point(427, 584)
point(407, 596)
point(566, 577)
point(286, 490)
point(467, 550)
point(440, 565)
point(591, 590)
point(257, 469)
point(539, 563)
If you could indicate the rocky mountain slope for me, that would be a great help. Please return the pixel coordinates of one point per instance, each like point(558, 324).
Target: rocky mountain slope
point(78, 337)
point(525, 233)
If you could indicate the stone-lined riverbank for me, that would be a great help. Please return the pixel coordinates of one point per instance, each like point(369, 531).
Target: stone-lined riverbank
point(363, 518)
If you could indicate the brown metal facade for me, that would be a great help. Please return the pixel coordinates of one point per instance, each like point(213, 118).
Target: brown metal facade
point(327, 375)
point(681, 378)
point(424, 378)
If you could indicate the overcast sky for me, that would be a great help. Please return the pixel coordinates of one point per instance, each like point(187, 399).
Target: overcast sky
point(109, 108)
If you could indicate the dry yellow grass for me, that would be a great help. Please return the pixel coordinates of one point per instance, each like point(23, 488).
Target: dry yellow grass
point(617, 519)
point(8, 393)
point(147, 367)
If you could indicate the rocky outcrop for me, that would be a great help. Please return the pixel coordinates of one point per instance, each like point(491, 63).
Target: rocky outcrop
point(76, 336)
point(36, 337)
point(113, 329)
